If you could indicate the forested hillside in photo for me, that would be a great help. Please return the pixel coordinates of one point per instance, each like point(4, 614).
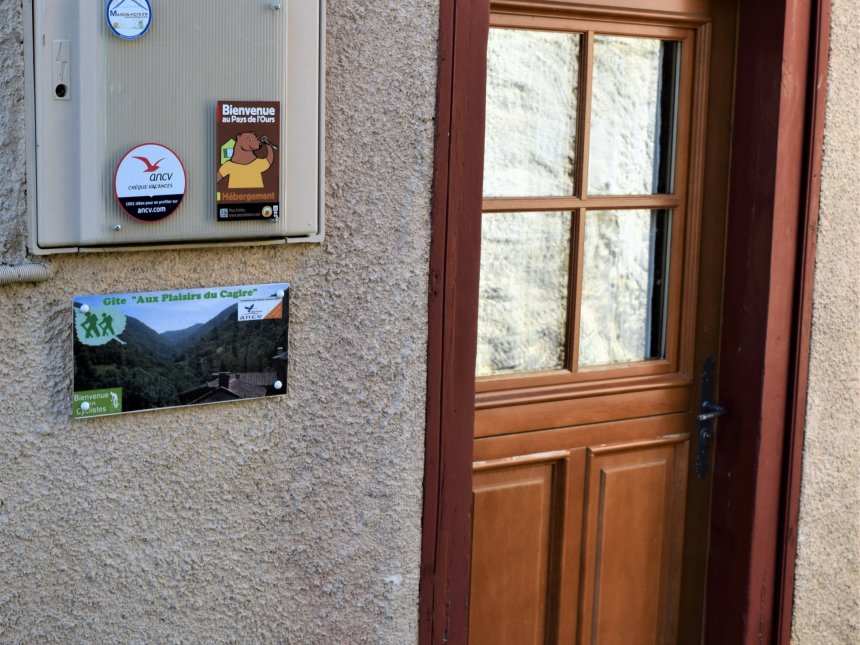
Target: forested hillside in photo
point(153, 369)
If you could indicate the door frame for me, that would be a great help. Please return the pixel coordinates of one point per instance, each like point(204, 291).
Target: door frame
point(772, 219)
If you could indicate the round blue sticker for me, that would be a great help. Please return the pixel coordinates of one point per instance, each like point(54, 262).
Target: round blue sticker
point(128, 19)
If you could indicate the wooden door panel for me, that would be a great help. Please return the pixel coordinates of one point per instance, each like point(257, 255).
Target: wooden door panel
point(510, 416)
point(568, 438)
point(634, 528)
point(525, 549)
point(510, 553)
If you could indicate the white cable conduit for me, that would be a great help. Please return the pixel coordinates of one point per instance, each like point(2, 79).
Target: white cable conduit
point(24, 273)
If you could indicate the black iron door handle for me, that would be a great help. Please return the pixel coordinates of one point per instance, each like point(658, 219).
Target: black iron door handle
point(711, 410)
point(708, 412)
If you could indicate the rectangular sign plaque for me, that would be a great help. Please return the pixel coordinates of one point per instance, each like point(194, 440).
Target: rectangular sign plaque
point(161, 349)
point(248, 147)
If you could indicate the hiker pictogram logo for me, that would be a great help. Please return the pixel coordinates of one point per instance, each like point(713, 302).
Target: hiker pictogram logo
point(99, 325)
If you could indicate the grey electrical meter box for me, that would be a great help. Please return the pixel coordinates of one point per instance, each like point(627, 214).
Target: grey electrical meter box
point(174, 122)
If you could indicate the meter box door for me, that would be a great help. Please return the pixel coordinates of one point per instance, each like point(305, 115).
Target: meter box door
point(130, 101)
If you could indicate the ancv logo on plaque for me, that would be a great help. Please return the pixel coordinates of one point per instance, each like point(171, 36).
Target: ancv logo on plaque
point(260, 309)
point(150, 182)
point(248, 164)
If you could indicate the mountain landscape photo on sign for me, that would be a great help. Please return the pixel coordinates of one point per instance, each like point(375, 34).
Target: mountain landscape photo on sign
point(220, 359)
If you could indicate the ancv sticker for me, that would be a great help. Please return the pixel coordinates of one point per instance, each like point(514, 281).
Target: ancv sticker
point(261, 309)
point(150, 182)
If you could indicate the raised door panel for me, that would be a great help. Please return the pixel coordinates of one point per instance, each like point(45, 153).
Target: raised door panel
point(634, 528)
point(525, 549)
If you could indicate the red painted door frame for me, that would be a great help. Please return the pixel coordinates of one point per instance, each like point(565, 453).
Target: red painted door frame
point(773, 207)
point(773, 214)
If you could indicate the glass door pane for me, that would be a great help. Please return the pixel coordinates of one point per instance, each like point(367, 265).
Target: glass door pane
point(633, 116)
point(525, 281)
point(625, 273)
point(532, 94)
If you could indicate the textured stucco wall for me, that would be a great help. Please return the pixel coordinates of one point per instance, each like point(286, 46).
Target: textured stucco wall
point(827, 598)
point(290, 520)
point(12, 198)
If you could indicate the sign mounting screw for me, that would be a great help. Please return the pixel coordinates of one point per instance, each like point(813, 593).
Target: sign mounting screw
point(275, 6)
point(117, 227)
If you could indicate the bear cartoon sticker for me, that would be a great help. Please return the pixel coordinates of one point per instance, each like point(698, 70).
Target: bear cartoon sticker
point(248, 166)
point(245, 169)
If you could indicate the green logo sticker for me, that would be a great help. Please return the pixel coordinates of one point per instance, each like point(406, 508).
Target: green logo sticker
point(94, 403)
point(227, 151)
point(99, 325)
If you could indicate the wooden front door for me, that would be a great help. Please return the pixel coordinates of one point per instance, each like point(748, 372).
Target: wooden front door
point(602, 233)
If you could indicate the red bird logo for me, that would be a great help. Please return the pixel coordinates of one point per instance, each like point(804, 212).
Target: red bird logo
point(150, 167)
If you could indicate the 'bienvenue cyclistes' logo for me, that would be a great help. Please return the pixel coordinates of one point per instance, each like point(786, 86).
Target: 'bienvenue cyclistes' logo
point(95, 403)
